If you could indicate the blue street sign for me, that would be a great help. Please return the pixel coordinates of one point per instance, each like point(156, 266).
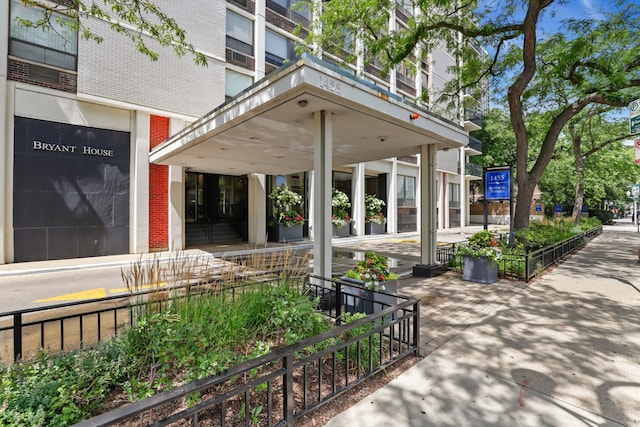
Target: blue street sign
point(585, 208)
point(497, 185)
point(558, 209)
point(538, 207)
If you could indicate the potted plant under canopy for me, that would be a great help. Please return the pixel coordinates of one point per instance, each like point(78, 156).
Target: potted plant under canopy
point(374, 220)
point(340, 218)
point(286, 224)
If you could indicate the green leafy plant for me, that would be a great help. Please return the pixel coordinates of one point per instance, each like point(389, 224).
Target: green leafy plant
point(284, 201)
point(363, 355)
point(373, 207)
point(340, 208)
point(373, 271)
point(482, 243)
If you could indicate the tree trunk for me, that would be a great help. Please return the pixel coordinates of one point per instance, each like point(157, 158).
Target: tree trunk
point(523, 204)
point(576, 139)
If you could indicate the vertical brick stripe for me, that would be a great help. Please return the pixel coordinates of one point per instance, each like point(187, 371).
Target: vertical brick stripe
point(158, 189)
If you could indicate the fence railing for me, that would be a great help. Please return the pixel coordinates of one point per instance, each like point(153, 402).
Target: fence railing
point(81, 324)
point(63, 327)
point(275, 389)
point(281, 387)
point(523, 267)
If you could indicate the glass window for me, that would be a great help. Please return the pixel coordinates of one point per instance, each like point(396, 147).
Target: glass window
point(235, 83)
point(276, 50)
point(406, 5)
point(57, 46)
point(239, 33)
point(454, 195)
point(406, 187)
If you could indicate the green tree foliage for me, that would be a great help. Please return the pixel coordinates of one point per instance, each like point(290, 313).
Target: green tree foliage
point(591, 164)
point(139, 20)
point(552, 74)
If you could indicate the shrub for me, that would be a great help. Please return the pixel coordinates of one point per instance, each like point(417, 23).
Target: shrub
point(195, 337)
point(605, 216)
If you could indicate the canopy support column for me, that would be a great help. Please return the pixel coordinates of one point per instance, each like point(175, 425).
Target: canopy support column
point(429, 266)
point(322, 166)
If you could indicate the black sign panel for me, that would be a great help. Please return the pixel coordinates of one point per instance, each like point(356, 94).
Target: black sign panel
point(70, 191)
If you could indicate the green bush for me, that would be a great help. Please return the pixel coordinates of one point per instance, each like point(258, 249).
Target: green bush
point(363, 355)
point(193, 338)
point(605, 216)
point(61, 389)
point(589, 223)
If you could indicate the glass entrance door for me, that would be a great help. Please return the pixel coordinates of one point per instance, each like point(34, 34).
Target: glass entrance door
point(194, 197)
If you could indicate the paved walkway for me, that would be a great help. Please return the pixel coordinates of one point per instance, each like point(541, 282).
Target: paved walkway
point(563, 350)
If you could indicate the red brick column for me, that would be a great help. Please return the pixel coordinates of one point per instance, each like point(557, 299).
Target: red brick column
point(158, 189)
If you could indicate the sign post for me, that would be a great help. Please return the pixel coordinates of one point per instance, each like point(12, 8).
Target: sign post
point(497, 186)
point(635, 192)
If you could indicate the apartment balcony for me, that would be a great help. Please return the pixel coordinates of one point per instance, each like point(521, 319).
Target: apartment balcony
point(474, 148)
point(473, 171)
point(472, 120)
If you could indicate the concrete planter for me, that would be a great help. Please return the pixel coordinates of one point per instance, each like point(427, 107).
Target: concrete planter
point(479, 269)
point(358, 299)
point(374, 228)
point(283, 234)
point(344, 231)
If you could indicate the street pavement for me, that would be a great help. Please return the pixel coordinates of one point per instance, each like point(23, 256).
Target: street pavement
point(563, 350)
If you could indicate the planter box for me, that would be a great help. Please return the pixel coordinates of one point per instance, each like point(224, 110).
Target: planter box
point(344, 231)
point(281, 233)
point(362, 300)
point(374, 228)
point(479, 269)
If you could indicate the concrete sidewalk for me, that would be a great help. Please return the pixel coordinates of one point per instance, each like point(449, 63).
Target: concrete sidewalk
point(563, 350)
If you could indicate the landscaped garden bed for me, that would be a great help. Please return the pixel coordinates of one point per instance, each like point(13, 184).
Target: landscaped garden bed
point(242, 355)
point(536, 248)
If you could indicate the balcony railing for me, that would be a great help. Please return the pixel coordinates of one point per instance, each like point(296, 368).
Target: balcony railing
point(473, 116)
point(475, 144)
point(471, 169)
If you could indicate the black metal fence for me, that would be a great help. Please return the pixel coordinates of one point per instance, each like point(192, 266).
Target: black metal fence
point(281, 387)
point(62, 327)
point(275, 389)
point(523, 267)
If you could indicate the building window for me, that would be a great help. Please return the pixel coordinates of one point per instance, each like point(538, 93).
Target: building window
point(234, 83)
point(278, 49)
point(297, 11)
point(405, 74)
point(57, 47)
point(406, 190)
point(406, 6)
point(239, 33)
point(454, 195)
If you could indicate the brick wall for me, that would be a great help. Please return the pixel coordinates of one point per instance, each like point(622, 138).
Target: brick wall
point(42, 76)
point(158, 189)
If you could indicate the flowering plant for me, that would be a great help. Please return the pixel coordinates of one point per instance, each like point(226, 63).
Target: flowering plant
point(340, 208)
point(283, 200)
point(373, 207)
point(482, 243)
point(373, 271)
